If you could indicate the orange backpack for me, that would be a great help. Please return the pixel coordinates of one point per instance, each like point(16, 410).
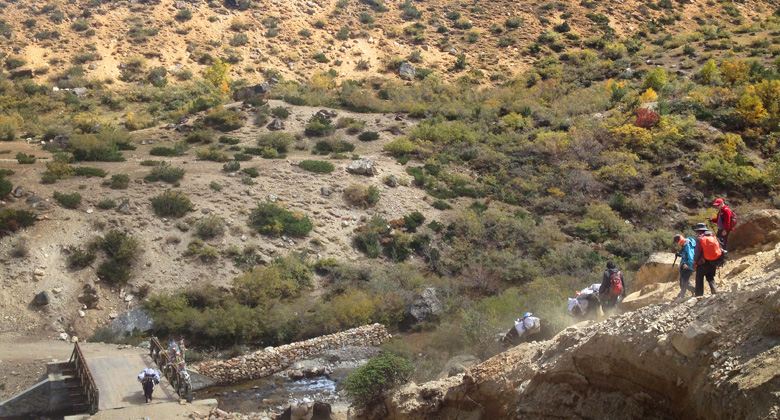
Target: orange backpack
point(710, 247)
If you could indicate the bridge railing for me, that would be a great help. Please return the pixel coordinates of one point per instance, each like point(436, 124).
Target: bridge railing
point(178, 378)
point(87, 383)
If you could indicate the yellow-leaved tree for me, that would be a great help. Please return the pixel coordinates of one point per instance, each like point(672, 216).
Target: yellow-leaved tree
point(218, 75)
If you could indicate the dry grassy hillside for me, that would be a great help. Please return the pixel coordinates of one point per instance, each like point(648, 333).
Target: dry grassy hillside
point(302, 38)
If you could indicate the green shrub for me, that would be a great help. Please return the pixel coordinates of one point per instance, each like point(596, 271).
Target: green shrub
point(231, 166)
point(119, 181)
point(216, 186)
point(14, 62)
point(89, 172)
point(239, 40)
point(368, 136)
point(325, 265)
point(106, 204)
point(184, 15)
point(368, 383)
point(317, 166)
point(213, 155)
point(68, 200)
point(513, 23)
point(165, 173)
point(12, 220)
point(166, 151)
point(333, 145)
point(242, 157)
point(206, 253)
point(210, 227)
point(441, 205)
point(277, 140)
point(90, 147)
point(114, 273)
point(24, 158)
point(171, 204)
point(353, 125)
point(357, 195)
point(251, 172)
point(318, 126)
point(5, 187)
point(413, 221)
point(321, 58)
point(271, 219)
point(79, 258)
point(223, 119)
point(228, 140)
point(280, 112)
point(199, 136)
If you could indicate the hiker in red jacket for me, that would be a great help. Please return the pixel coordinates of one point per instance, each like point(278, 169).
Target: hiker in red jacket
point(724, 220)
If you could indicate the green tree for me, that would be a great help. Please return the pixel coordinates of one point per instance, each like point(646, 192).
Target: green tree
point(656, 79)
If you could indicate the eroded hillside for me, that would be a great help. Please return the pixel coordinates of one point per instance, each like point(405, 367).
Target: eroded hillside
point(713, 357)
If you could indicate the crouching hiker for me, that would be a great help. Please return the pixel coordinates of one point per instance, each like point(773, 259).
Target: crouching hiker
point(687, 252)
point(706, 257)
point(613, 288)
point(524, 328)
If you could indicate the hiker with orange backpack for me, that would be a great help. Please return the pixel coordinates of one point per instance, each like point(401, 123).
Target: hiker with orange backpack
point(707, 255)
point(726, 220)
point(613, 288)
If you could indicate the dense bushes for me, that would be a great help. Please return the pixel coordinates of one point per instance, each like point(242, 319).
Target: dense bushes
point(121, 250)
point(68, 200)
point(317, 166)
point(171, 204)
point(165, 173)
point(361, 195)
point(278, 141)
point(271, 219)
point(12, 220)
point(223, 119)
point(367, 384)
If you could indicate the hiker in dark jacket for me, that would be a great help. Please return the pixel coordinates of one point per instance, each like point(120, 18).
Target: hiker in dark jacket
point(704, 267)
point(609, 293)
point(686, 262)
point(723, 219)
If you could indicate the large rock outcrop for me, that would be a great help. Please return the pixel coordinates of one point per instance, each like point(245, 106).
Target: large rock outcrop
point(755, 229)
point(659, 268)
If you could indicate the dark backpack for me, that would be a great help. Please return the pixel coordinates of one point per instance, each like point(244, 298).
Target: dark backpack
point(733, 219)
point(616, 281)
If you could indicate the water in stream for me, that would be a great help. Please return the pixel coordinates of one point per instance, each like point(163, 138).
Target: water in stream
point(271, 394)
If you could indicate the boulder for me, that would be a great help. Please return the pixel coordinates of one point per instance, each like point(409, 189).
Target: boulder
point(754, 229)
point(362, 166)
point(648, 295)
point(319, 411)
point(276, 125)
point(457, 365)
point(659, 268)
point(126, 322)
point(425, 307)
point(124, 207)
point(406, 71)
point(262, 90)
point(18, 191)
point(325, 191)
point(695, 337)
point(42, 298)
point(324, 113)
point(34, 199)
point(392, 182)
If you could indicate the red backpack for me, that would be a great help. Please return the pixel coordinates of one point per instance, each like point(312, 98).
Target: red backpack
point(733, 219)
point(617, 283)
point(710, 247)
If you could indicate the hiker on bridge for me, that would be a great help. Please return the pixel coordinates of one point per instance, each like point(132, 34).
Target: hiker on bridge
point(523, 329)
point(149, 378)
point(613, 288)
point(726, 220)
point(688, 247)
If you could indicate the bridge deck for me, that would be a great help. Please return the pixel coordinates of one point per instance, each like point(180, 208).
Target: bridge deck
point(116, 377)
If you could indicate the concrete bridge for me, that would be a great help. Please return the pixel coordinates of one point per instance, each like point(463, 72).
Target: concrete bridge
point(97, 378)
